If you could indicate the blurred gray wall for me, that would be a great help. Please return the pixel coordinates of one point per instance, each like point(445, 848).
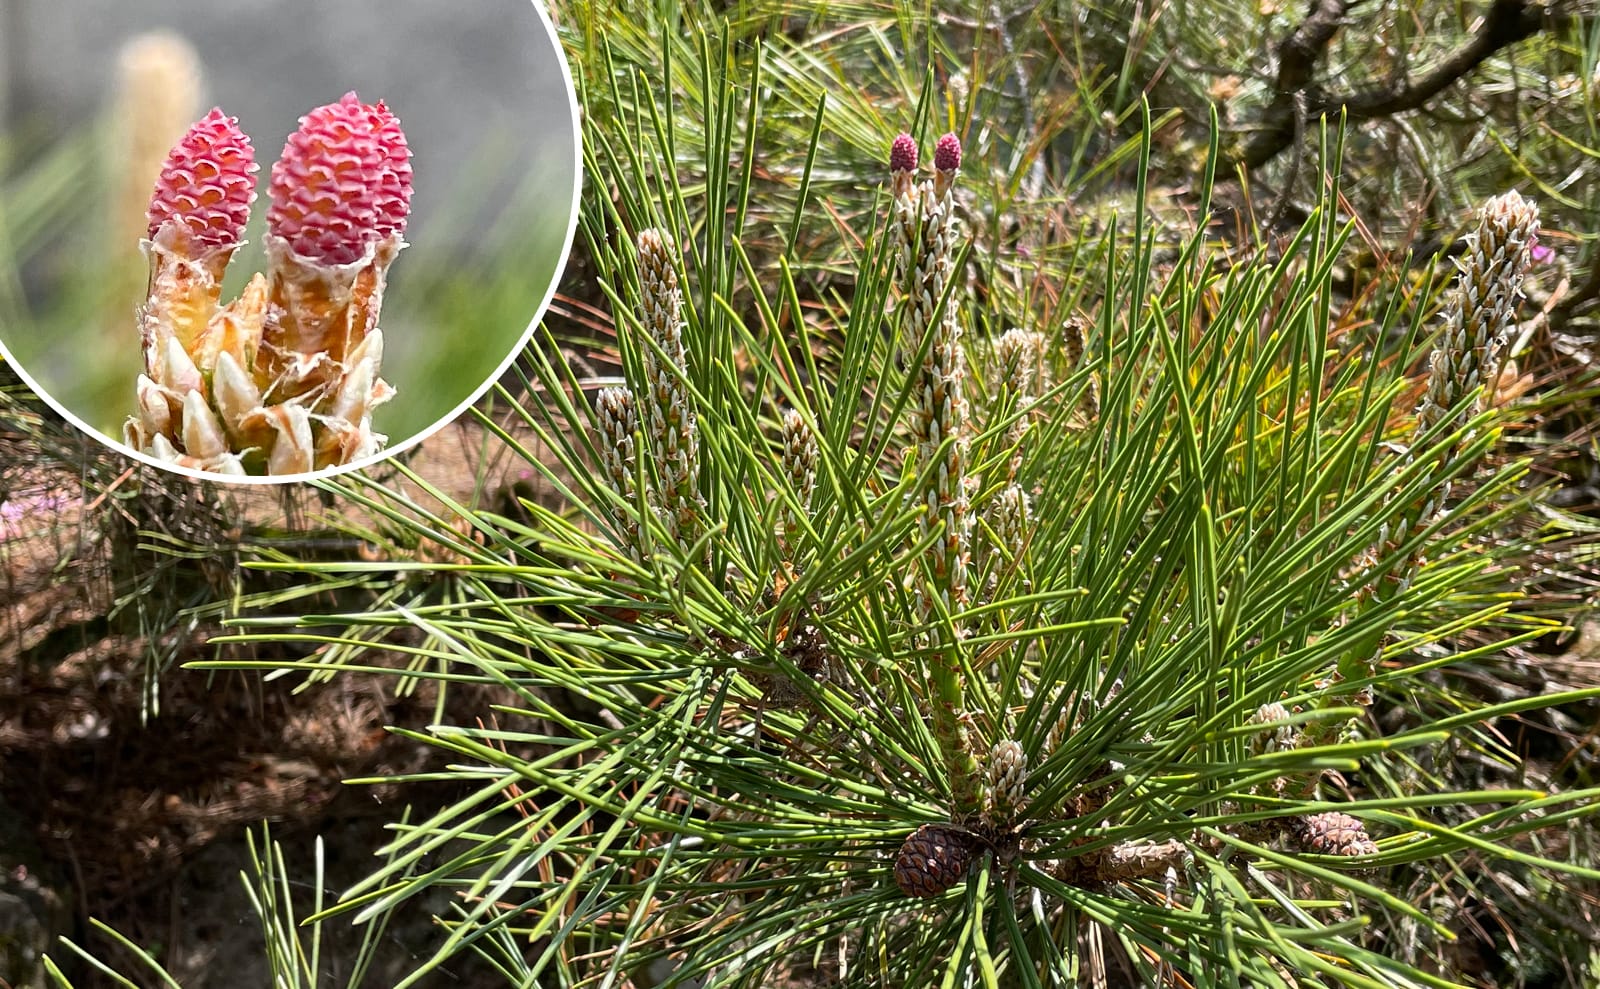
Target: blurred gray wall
point(475, 83)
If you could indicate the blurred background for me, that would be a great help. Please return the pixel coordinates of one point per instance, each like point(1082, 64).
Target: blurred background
point(94, 92)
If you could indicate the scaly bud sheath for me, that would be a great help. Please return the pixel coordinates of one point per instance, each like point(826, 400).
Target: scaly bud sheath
point(617, 422)
point(1480, 313)
point(668, 415)
point(1018, 352)
point(1277, 733)
point(1010, 516)
point(1006, 783)
point(1020, 356)
point(925, 231)
point(1478, 317)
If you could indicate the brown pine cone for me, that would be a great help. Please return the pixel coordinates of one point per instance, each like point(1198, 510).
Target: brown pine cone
point(933, 859)
point(1333, 833)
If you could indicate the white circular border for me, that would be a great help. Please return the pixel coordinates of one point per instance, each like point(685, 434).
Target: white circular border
point(448, 418)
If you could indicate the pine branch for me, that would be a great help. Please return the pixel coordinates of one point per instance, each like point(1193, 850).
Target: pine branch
point(1506, 23)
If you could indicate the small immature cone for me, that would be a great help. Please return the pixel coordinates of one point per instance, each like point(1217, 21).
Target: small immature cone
point(946, 162)
point(1332, 833)
point(668, 415)
point(905, 208)
point(196, 221)
point(933, 859)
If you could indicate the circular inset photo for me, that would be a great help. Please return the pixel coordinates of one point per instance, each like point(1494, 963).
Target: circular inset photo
point(275, 239)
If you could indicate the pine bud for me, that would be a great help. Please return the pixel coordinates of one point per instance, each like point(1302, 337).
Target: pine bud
point(669, 415)
point(1009, 516)
point(1272, 717)
point(1007, 782)
point(617, 422)
point(1072, 338)
point(1017, 352)
point(800, 468)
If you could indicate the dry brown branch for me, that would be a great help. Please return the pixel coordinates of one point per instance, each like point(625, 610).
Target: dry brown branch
point(1505, 23)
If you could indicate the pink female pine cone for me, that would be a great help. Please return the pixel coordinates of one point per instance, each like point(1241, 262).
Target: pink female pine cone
point(946, 162)
point(341, 193)
point(282, 380)
point(903, 154)
point(342, 183)
point(207, 184)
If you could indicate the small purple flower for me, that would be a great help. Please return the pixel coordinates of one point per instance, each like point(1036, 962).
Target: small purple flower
point(947, 153)
point(1542, 254)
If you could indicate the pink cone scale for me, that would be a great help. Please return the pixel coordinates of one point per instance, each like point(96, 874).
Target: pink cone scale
point(207, 183)
point(903, 154)
point(342, 183)
point(947, 153)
